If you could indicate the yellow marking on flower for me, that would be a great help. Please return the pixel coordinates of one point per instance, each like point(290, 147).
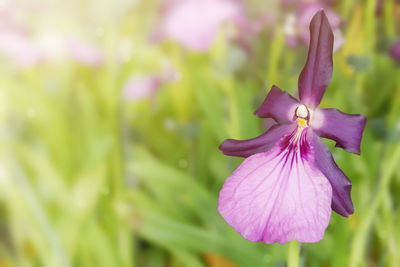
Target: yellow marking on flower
point(302, 123)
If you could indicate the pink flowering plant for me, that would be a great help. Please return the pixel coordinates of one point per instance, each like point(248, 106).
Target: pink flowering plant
point(289, 183)
point(195, 24)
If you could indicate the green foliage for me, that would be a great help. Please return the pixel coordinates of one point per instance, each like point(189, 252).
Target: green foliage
point(88, 178)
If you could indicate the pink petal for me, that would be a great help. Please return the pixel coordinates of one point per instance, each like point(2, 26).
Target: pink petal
point(278, 105)
point(278, 196)
point(139, 88)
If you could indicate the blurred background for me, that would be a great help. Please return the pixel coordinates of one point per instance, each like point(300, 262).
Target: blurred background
point(112, 111)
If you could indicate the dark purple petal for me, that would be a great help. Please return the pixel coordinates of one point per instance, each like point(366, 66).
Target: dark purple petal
point(278, 105)
point(317, 73)
point(262, 143)
point(341, 185)
point(345, 129)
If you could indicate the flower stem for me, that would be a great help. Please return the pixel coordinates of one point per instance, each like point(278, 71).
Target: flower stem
point(293, 257)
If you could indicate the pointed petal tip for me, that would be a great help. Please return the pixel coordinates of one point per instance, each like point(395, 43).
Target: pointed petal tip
point(321, 19)
point(262, 143)
point(343, 211)
point(320, 12)
point(227, 145)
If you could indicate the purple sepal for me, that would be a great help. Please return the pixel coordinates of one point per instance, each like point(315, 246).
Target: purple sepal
point(262, 143)
point(278, 105)
point(341, 185)
point(317, 73)
point(345, 129)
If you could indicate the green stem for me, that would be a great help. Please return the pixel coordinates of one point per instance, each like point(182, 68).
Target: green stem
point(293, 257)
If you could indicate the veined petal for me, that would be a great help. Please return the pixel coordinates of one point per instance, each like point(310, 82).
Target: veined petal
point(317, 73)
point(279, 195)
point(278, 105)
point(262, 143)
point(341, 185)
point(345, 129)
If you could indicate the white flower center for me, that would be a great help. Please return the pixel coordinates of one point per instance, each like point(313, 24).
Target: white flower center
point(302, 112)
point(303, 116)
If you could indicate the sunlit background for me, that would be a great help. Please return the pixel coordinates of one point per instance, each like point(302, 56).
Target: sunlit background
point(112, 111)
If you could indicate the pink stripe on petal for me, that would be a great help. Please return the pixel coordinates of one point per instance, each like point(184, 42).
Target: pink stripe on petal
point(278, 105)
point(279, 195)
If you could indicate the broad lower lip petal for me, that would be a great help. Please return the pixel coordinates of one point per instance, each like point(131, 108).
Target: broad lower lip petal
point(279, 195)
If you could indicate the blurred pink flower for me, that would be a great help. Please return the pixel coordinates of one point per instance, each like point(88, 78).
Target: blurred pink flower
point(195, 24)
point(15, 42)
point(145, 87)
point(395, 51)
point(141, 87)
point(26, 47)
point(85, 53)
point(20, 49)
point(296, 26)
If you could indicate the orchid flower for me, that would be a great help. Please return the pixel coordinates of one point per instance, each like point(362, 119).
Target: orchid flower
point(289, 183)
